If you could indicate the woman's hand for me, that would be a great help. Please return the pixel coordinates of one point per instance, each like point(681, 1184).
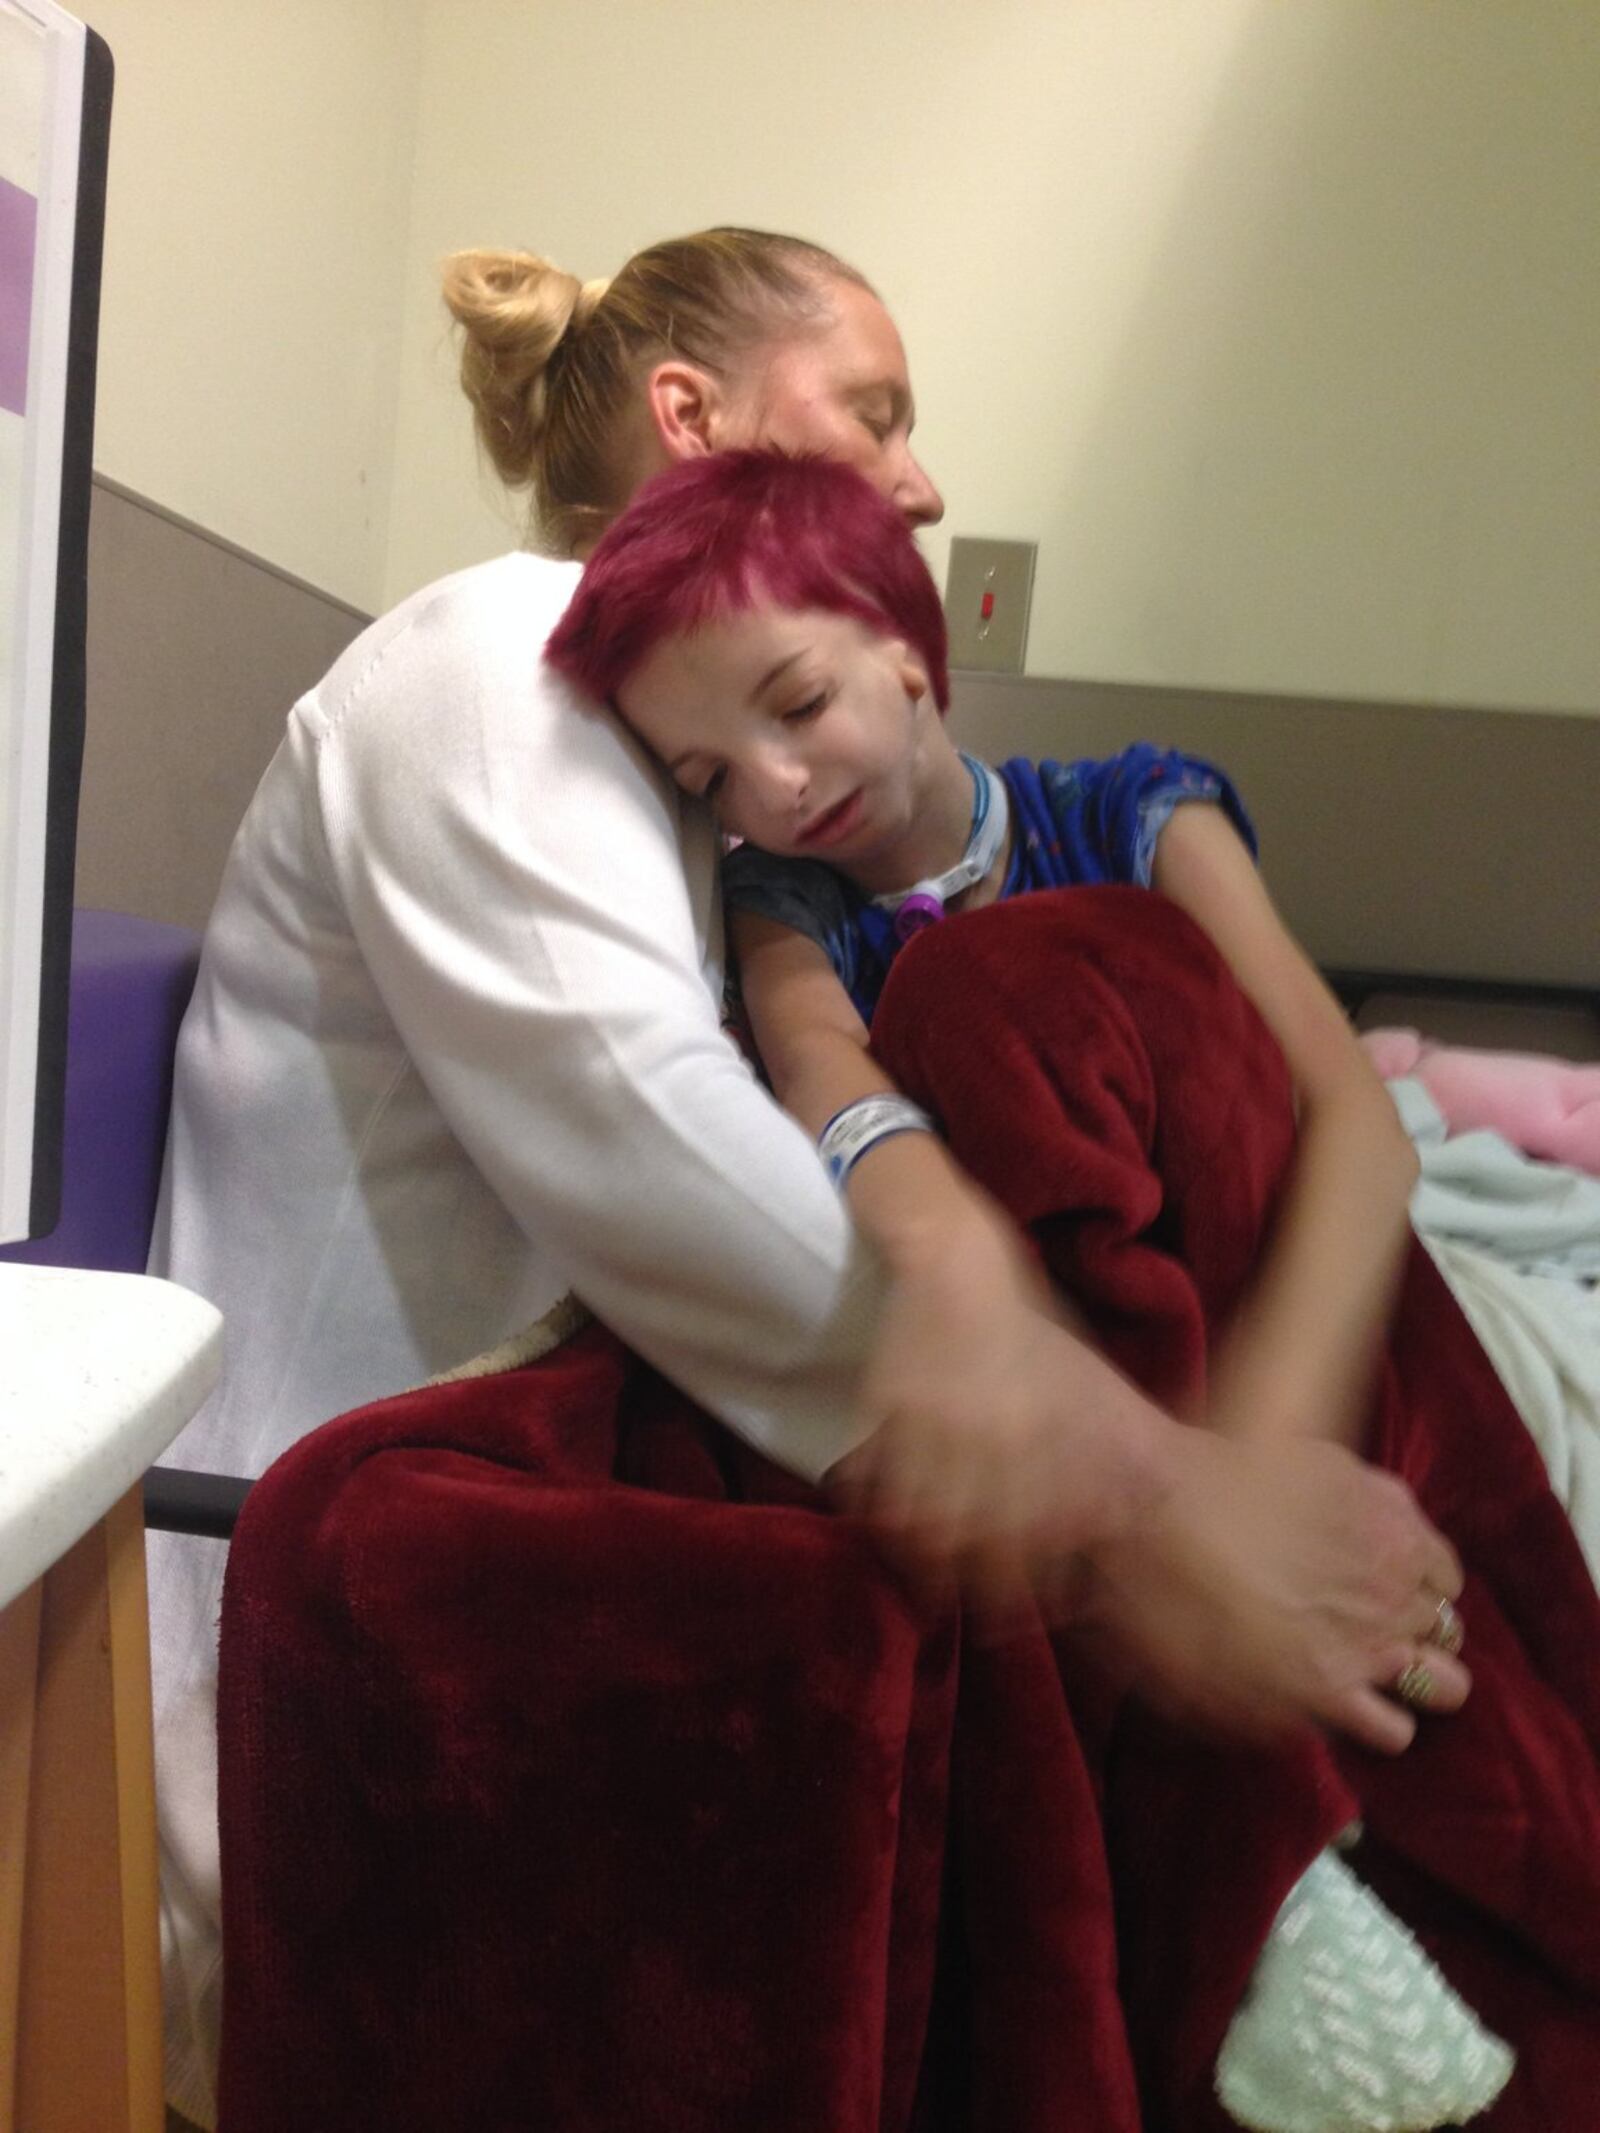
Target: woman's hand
point(1249, 1589)
point(1001, 1441)
point(1279, 1584)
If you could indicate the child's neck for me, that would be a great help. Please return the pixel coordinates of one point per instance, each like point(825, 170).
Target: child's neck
point(939, 833)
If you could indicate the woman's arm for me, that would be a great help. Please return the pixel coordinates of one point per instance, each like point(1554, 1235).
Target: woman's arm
point(1300, 1354)
point(533, 902)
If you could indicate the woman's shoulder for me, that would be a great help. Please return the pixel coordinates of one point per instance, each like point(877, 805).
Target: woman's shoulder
point(479, 629)
point(520, 590)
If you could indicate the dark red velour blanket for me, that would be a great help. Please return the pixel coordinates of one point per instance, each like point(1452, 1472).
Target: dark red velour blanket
point(581, 1772)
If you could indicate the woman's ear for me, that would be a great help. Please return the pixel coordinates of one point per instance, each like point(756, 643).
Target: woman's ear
point(685, 406)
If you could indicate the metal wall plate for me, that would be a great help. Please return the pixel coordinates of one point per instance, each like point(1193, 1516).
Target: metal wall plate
point(986, 601)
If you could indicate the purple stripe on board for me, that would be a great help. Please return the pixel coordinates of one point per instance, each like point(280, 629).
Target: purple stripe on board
point(18, 215)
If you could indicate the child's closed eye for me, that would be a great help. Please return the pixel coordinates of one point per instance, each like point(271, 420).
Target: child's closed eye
point(809, 709)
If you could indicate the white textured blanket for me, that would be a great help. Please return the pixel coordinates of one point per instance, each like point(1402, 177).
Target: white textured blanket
point(1543, 1337)
point(1519, 1243)
point(1476, 1189)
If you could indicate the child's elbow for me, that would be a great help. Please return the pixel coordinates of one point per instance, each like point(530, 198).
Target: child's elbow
point(1408, 1164)
point(1400, 1159)
point(1371, 1123)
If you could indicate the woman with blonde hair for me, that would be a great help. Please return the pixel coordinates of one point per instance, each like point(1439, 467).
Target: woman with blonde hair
point(455, 1050)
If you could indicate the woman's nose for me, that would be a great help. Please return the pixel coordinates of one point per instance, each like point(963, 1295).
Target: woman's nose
point(919, 501)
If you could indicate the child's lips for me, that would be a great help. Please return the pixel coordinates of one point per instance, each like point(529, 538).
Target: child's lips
point(832, 824)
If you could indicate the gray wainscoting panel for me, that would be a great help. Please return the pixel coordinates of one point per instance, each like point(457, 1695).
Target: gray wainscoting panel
point(196, 652)
point(1393, 837)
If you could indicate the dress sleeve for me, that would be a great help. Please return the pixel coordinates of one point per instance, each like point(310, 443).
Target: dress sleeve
point(797, 893)
point(536, 911)
point(1110, 814)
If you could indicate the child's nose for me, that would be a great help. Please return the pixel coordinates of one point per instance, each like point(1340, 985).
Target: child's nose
point(782, 780)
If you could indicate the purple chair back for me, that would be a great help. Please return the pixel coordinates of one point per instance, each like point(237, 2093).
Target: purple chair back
point(130, 983)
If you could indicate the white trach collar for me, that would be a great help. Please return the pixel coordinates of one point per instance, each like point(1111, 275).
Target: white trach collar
point(924, 902)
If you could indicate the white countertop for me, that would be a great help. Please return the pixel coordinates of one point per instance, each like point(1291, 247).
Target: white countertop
point(98, 1373)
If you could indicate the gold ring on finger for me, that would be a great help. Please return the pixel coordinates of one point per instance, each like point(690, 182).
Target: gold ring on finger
point(1415, 1684)
point(1447, 1633)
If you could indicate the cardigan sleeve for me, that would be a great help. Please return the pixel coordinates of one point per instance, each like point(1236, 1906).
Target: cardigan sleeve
point(537, 908)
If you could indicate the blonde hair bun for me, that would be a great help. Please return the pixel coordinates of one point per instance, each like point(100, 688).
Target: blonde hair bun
point(515, 309)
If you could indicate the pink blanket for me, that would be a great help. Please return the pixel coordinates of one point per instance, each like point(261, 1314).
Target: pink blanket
point(1548, 1108)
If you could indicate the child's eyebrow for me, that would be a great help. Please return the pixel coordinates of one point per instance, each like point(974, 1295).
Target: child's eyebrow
point(767, 679)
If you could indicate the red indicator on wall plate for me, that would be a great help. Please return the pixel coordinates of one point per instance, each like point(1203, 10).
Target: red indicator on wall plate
point(986, 606)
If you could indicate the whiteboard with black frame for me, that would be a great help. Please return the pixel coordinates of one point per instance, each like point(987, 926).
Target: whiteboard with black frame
point(55, 105)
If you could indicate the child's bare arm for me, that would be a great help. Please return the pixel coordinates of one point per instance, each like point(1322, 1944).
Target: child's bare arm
point(1300, 1354)
point(813, 1045)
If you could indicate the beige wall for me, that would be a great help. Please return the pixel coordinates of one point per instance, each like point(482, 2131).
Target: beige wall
point(255, 232)
point(1275, 322)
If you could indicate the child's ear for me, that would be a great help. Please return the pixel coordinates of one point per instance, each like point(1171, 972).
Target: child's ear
point(913, 677)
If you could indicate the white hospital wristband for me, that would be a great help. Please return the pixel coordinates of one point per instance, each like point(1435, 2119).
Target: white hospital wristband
point(847, 1136)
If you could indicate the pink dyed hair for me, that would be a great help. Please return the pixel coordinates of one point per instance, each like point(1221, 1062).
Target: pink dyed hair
point(717, 536)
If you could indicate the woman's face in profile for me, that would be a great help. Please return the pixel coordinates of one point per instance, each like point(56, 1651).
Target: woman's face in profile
point(843, 391)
